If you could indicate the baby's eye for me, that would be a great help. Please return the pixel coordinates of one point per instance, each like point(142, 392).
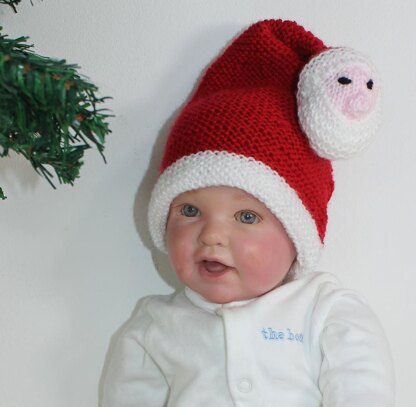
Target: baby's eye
point(189, 211)
point(247, 217)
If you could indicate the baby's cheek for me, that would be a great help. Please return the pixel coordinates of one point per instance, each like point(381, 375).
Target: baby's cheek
point(256, 248)
point(178, 246)
point(266, 253)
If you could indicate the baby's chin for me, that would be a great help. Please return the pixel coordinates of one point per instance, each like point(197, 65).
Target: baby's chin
point(225, 295)
point(220, 296)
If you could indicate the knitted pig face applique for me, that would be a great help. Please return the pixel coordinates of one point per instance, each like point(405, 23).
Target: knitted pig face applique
point(339, 102)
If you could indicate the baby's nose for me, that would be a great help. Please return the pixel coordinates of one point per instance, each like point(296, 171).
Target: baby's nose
point(214, 233)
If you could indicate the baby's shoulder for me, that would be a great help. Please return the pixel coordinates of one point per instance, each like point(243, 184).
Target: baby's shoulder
point(329, 294)
point(148, 310)
point(317, 283)
point(328, 284)
point(156, 307)
point(151, 304)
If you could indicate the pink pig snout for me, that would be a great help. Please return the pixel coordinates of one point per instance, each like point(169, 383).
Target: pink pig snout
point(351, 92)
point(358, 105)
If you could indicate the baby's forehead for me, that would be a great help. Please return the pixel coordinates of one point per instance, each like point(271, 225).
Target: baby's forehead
point(223, 192)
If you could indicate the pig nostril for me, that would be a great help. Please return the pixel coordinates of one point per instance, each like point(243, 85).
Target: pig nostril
point(343, 80)
point(370, 84)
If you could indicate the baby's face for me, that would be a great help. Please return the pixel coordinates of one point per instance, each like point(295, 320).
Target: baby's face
point(226, 245)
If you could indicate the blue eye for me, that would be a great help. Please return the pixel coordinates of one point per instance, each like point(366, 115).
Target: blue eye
point(247, 217)
point(189, 211)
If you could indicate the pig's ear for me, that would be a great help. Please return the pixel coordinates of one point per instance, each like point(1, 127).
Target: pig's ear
point(339, 102)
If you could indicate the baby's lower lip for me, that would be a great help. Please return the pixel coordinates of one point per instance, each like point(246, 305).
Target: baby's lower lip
point(212, 268)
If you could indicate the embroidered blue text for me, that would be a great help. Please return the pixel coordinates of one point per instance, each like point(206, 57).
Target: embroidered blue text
point(270, 334)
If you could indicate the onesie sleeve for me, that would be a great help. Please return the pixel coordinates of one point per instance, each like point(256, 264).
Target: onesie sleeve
point(357, 368)
point(133, 379)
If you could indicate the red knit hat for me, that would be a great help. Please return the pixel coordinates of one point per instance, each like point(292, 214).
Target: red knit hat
point(267, 117)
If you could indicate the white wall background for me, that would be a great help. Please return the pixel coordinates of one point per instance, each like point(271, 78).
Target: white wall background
point(74, 261)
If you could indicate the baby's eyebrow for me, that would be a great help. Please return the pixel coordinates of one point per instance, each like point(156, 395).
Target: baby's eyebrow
point(188, 195)
point(242, 197)
point(248, 201)
point(179, 203)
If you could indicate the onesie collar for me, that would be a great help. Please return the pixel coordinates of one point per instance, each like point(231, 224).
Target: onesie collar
point(212, 307)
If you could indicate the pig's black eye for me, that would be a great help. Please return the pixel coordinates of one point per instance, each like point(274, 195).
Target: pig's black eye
point(343, 80)
point(370, 84)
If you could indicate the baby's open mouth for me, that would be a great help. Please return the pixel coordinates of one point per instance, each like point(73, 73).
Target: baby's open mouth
point(214, 267)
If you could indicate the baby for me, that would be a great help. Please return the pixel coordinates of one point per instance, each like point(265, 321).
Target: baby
point(241, 209)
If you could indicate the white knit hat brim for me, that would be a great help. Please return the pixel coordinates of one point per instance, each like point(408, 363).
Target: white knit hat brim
point(220, 168)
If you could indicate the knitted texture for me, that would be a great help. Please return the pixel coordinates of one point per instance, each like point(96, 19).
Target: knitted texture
point(246, 104)
point(241, 128)
point(339, 102)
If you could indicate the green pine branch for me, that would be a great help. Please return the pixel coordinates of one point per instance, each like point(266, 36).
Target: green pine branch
point(48, 112)
point(11, 3)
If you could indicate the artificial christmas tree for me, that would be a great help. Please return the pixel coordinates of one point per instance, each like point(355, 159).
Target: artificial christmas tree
point(49, 113)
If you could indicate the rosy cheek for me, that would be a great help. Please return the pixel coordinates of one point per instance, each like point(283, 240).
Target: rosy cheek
point(268, 252)
point(176, 244)
point(181, 242)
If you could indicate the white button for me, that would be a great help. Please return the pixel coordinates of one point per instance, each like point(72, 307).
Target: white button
point(244, 385)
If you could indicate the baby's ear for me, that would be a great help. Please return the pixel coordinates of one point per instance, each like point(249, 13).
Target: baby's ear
point(339, 102)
